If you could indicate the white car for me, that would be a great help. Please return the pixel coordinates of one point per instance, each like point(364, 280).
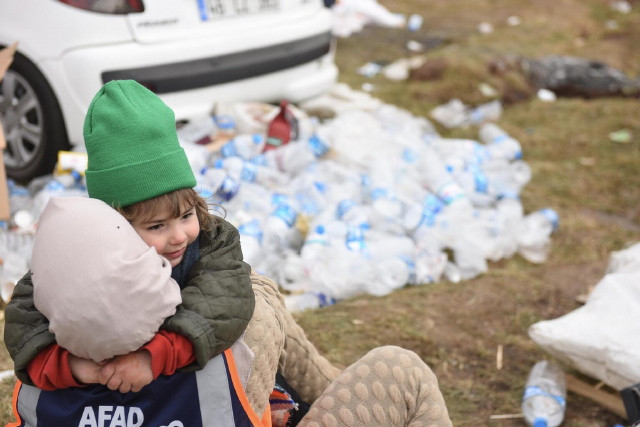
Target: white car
point(192, 53)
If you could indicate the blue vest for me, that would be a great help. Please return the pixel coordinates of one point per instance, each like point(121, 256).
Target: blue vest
point(213, 396)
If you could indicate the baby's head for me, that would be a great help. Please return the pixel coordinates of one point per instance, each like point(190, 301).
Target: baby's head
point(137, 166)
point(104, 291)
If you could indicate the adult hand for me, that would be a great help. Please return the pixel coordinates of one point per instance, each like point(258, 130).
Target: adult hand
point(84, 371)
point(129, 372)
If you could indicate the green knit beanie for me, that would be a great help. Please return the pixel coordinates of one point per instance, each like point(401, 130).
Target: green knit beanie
point(132, 146)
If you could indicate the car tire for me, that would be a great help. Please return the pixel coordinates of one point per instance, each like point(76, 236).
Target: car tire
point(36, 134)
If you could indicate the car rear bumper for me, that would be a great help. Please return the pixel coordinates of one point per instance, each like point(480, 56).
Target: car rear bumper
point(215, 70)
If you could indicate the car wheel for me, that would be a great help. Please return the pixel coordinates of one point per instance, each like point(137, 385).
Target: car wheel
point(32, 122)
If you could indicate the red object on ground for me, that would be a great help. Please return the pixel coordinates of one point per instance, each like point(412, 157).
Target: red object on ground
point(279, 130)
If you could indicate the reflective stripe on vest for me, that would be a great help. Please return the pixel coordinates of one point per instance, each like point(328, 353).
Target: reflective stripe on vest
point(213, 396)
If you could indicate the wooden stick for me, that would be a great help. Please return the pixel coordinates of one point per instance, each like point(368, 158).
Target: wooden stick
point(506, 416)
point(610, 401)
point(499, 357)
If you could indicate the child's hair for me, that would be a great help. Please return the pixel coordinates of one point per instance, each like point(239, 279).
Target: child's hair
point(175, 202)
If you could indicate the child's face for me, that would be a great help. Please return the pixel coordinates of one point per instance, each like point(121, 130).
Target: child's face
point(169, 236)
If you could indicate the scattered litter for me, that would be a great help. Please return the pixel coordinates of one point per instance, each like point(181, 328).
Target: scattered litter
point(485, 28)
point(397, 70)
point(499, 352)
point(622, 136)
point(456, 114)
point(351, 16)
point(414, 23)
point(368, 87)
point(514, 21)
point(415, 46)
point(487, 90)
point(370, 69)
point(621, 6)
point(546, 95)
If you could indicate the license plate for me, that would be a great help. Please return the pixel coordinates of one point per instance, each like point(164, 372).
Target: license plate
point(215, 9)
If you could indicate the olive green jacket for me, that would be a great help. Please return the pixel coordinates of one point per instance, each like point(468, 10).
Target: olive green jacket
point(217, 304)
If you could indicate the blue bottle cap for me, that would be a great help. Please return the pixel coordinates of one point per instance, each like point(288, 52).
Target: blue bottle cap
point(552, 216)
point(540, 422)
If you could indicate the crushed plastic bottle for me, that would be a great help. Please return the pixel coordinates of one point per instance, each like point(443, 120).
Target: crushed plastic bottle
point(543, 402)
point(534, 234)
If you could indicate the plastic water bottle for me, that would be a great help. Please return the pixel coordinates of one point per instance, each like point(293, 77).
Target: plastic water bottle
point(246, 146)
point(198, 130)
point(534, 233)
point(251, 241)
point(499, 142)
point(543, 402)
point(309, 300)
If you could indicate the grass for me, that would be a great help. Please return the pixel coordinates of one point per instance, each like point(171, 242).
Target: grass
point(591, 181)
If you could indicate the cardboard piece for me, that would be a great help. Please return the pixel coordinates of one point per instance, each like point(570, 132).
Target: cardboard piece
point(6, 57)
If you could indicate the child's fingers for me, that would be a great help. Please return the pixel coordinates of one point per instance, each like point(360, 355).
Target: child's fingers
point(106, 373)
point(124, 387)
point(114, 383)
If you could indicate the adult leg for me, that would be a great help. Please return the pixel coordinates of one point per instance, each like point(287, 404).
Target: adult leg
point(389, 386)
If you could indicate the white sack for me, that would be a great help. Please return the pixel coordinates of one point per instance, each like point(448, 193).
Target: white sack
point(600, 339)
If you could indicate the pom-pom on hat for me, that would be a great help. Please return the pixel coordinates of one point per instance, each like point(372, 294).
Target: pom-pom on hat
point(132, 146)
point(103, 289)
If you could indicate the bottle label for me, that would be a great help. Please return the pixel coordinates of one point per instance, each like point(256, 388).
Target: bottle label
point(318, 146)
point(355, 239)
point(552, 216)
point(229, 149)
point(228, 189)
point(534, 390)
point(286, 214)
point(343, 207)
point(481, 182)
point(251, 229)
point(411, 266)
point(378, 193)
point(248, 172)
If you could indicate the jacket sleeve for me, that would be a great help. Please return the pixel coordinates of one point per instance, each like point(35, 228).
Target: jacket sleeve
point(26, 330)
point(217, 300)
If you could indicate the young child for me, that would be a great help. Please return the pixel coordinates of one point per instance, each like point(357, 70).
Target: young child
point(137, 165)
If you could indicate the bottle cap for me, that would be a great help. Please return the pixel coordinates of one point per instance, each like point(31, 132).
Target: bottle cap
point(540, 422)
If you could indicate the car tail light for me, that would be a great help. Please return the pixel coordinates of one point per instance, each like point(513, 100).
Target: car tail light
point(107, 6)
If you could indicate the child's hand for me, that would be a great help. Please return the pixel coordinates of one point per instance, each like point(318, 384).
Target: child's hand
point(84, 371)
point(129, 372)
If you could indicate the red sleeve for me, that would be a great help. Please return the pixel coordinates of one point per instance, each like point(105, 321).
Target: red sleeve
point(169, 351)
point(50, 369)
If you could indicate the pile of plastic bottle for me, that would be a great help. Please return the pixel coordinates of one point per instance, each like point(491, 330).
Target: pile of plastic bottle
point(363, 203)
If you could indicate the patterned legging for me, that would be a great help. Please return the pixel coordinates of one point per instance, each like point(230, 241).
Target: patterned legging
point(389, 386)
